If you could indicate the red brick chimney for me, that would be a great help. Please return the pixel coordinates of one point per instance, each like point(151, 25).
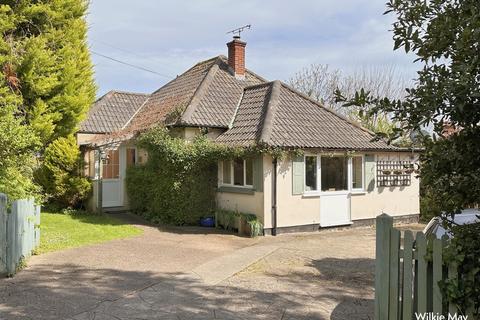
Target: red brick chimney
point(236, 57)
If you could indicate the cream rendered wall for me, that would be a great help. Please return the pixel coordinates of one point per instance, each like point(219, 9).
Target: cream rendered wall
point(297, 210)
point(293, 210)
point(246, 203)
point(395, 201)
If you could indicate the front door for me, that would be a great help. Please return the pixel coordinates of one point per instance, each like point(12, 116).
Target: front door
point(335, 175)
point(112, 182)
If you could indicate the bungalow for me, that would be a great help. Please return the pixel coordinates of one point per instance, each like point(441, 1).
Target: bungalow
point(342, 178)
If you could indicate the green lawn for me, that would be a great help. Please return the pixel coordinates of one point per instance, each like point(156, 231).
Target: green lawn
point(61, 231)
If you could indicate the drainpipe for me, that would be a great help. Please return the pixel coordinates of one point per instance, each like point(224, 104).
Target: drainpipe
point(274, 197)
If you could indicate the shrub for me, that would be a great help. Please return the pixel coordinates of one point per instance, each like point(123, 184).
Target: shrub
point(59, 173)
point(177, 184)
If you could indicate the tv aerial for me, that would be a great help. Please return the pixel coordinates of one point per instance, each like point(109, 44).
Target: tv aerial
point(236, 32)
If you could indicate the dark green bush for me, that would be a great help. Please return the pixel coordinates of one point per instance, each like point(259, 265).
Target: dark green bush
point(177, 184)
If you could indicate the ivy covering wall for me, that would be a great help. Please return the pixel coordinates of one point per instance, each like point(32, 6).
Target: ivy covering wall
point(177, 184)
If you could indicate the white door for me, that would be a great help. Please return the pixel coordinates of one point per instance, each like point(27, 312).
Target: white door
point(335, 209)
point(112, 179)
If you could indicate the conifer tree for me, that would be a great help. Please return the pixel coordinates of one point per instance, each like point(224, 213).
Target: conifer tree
point(47, 84)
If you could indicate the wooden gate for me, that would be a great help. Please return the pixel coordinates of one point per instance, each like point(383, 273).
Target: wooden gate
point(19, 233)
point(407, 276)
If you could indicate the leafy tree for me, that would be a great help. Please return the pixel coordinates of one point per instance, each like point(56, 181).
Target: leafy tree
point(48, 78)
point(445, 37)
point(320, 83)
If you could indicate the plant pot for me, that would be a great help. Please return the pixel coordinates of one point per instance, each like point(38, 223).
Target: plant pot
point(208, 222)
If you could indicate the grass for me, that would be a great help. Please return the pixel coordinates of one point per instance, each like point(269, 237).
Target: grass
point(61, 231)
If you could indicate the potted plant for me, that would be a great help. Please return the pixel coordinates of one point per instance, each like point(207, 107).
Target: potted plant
point(397, 172)
point(207, 221)
point(386, 172)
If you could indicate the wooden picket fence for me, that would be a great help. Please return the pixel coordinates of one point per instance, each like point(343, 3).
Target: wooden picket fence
point(19, 233)
point(407, 277)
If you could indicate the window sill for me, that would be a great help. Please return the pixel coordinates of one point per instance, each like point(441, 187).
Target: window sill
point(231, 189)
point(358, 192)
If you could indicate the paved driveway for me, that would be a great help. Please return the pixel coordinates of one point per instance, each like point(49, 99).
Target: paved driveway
point(182, 273)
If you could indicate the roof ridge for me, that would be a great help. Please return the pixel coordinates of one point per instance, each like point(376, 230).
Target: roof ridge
point(189, 69)
point(304, 96)
point(273, 100)
point(199, 93)
point(225, 60)
point(129, 92)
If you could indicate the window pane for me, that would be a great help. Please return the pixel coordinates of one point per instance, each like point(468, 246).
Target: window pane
point(249, 172)
point(238, 172)
point(310, 173)
point(334, 173)
point(357, 168)
point(131, 157)
point(227, 172)
point(111, 165)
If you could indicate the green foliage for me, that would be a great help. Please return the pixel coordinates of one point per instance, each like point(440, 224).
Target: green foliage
point(464, 252)
point(256, 227)
point(228, 218)
point(59, 173)
point(177, 185)
point(45, 47)
point(46, 85)
point(444, 35)
point(17, 156)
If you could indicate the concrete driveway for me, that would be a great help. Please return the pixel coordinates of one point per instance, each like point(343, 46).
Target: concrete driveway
point(184, 273)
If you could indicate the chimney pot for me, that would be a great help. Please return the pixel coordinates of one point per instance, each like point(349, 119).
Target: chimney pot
point(236, 57)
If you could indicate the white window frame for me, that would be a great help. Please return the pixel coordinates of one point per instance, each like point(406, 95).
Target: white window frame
point(319, 191)
point(362, 189)
point(232, 184)
point(305, 174)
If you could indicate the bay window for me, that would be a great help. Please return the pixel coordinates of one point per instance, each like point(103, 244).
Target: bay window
point(238, 172)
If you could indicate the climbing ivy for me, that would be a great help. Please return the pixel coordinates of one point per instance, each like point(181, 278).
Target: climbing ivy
point(177, 185)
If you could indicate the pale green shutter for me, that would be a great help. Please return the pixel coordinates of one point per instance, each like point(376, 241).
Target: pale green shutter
point(258, 173)
point(298, 174)
point(369, 172)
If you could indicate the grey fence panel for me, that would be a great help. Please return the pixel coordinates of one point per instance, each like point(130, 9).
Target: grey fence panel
point(21, 232)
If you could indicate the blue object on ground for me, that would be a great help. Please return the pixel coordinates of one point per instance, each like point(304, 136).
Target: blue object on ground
point(207, 222)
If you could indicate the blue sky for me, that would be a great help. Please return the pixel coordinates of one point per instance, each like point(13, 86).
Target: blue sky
point(170, 36)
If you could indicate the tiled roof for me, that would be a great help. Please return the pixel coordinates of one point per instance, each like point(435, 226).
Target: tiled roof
point(277, 115)
point(216, 101)
point(252, 110)
point(205, 95)
point(112, 112)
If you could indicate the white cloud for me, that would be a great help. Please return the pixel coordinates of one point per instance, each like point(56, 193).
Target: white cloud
point(170, 36)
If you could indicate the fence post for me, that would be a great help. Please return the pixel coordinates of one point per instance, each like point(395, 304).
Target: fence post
point(12, 239)
point(407, 305)
point(3, 233)
point(37, 226)
point(384, 225)
point(421, 276)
